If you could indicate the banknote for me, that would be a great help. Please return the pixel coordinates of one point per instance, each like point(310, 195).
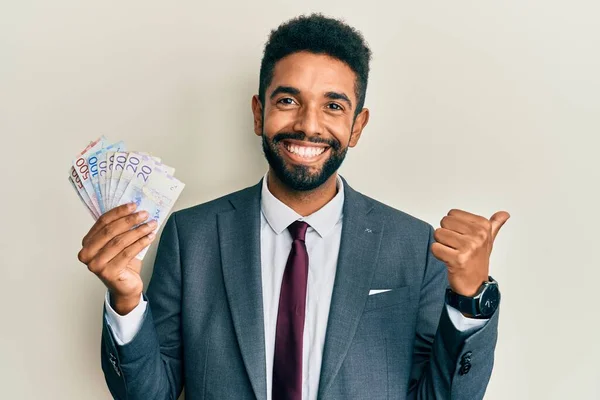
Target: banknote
point(97, 163)
point(74, 179)
point(132, 163)
point(79, 174)
point(106, 175)
point(83, 171)
point(82, 199)
point(137, 168)
point(157, 197)
point(117, 170)
point(110, 162)
point(134, 189)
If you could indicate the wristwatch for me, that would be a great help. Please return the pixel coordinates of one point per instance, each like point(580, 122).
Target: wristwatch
point(482, 306)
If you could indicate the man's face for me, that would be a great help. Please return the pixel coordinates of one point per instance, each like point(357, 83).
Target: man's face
point(307, 122)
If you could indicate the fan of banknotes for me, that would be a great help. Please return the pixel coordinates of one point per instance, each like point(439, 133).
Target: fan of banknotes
point(105, 175)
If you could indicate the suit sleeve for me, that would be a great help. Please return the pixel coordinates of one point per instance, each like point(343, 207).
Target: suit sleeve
point(448, 363)
point(150, 365)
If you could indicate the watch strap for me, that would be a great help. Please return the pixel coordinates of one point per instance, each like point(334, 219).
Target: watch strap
point(466, 305)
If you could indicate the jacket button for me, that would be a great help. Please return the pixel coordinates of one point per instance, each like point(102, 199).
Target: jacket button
point(464, 369)
point(466, 357)
point(113, 361)
point(465, 363)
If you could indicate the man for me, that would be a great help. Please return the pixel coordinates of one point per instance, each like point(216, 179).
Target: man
point(299, 287)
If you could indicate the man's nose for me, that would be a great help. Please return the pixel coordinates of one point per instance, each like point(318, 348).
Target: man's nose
point(308, 121)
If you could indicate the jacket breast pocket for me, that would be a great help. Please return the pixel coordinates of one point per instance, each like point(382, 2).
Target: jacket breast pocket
point(387, 299)
point(386, 315)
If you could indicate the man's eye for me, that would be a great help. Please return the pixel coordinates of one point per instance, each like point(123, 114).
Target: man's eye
point(286, 100)
point(335, 106)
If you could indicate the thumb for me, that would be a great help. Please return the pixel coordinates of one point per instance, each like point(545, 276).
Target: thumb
point(497, 220)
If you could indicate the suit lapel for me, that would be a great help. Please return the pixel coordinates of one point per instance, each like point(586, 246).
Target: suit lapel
point(239, 238)
point(359, 248)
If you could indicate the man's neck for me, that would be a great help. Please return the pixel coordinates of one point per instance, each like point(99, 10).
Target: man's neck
point(303, 202)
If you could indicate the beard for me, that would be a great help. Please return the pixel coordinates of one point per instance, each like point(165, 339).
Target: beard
point(299, 177)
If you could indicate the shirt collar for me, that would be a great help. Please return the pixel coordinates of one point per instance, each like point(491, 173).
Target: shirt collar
point(280, 216)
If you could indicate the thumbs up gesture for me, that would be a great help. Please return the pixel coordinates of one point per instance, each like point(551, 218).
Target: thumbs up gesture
point(464, 243)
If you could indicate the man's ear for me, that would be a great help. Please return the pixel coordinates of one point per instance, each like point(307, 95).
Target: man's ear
point(360, 122)
point(257, 111)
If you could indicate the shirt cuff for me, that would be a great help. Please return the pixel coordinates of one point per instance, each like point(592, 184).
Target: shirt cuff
point(124, 327)
point(462, 323)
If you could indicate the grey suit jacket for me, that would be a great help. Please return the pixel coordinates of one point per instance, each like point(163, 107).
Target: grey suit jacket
point(204, 324)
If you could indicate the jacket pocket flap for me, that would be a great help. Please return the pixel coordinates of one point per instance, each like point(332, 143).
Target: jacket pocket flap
point(386, 299)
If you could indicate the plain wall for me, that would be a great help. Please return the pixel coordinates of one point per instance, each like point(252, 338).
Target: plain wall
point(497, 103)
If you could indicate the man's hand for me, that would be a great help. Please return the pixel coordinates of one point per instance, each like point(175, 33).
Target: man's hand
point(109, 251)
point(464, 243)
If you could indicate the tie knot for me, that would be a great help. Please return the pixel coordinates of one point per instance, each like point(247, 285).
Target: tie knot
point(298, 230)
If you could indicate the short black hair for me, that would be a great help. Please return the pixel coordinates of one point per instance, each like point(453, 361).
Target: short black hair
point(317, 34)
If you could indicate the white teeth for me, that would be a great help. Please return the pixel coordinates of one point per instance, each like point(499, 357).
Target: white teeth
point(305, 151)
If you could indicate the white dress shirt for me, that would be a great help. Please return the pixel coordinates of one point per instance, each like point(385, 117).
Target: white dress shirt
point(322, 243)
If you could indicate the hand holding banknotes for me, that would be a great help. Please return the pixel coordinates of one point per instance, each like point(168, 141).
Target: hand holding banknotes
point(130, 195)
point(110, 249)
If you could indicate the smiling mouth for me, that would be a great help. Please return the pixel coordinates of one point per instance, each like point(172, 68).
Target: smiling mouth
point(302, 152)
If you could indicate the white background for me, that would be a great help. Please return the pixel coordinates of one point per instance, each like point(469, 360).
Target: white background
point(477, 105)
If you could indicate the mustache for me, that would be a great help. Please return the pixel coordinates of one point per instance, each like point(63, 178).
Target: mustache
point(334, 144)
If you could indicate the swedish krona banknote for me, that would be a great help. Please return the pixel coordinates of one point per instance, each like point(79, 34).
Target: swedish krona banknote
point(105, 175)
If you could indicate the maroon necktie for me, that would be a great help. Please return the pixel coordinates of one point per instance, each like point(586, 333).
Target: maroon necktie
point(287, 363)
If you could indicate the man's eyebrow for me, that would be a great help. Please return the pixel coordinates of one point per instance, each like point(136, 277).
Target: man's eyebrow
point(285, 89)
point(295, 91)
point(338, 96)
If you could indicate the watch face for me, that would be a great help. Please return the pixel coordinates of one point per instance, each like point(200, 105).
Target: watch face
point(490, 298)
